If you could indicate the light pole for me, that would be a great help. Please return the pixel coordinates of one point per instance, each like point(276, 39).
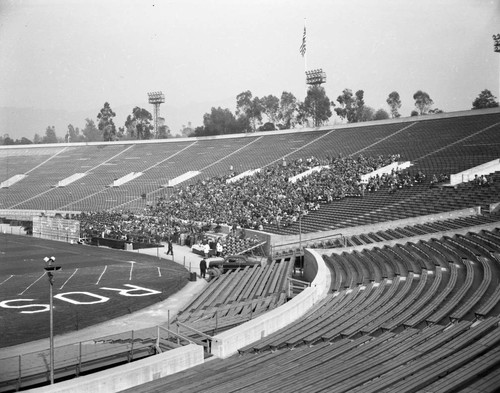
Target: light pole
point(50, 268)
point(300, 240)
point(156, 98)
point(496, 48)
point(300, 230)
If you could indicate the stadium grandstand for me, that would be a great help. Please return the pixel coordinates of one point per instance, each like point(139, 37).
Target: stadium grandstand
point(378, 249)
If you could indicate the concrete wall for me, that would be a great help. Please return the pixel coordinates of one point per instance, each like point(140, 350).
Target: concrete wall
point(27, 215)
point(228, 342)
point(310, 269)
point(132, 374)
point(470, 174)
point(285, 243)
point(13, 230)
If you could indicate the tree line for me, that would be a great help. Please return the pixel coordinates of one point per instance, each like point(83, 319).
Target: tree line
point(270, 112)
point(252, 114)
point(138, 125)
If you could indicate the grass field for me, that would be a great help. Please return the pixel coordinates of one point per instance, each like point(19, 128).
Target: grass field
point(94, 285)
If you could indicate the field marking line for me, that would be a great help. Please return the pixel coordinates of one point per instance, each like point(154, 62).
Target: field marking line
point(65, 282)
point(33, 283)
point(131, 269)
point(105, 267)
point(159, 272)
point(7, 279)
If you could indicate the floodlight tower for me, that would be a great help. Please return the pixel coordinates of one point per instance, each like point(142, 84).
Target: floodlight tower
point(315, 77)
point(496, 48)
point(156, 98)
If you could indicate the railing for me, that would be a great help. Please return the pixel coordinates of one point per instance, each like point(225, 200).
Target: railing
point(296, 286)
point(62, 236)
point(288, 246)
point(207, 344)
point(30, 369)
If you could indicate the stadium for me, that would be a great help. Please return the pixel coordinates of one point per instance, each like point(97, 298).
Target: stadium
point(378, 249)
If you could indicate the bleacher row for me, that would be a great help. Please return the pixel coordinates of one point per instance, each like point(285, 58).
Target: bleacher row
point(416, 317)
point(410, 361)
point(236, 297)
point(381, 206)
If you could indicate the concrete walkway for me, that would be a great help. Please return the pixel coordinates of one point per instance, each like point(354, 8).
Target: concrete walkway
point(156, 314)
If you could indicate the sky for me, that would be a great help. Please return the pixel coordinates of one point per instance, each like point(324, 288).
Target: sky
point(65, 58)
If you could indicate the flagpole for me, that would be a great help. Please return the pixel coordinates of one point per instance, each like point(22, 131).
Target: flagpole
point(305, 50)
point(305, 56)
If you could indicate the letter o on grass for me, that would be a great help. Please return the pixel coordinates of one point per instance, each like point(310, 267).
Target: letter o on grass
point(97, 298)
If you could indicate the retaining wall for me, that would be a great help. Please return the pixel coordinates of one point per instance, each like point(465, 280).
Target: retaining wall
point(228, 342)
point(132, 374)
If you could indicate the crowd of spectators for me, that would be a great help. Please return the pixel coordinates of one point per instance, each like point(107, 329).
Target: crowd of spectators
point(125, 226)
point(439, 179)
point(265, 198)
point(394, 180)
point(482, 181)
point(268, 198)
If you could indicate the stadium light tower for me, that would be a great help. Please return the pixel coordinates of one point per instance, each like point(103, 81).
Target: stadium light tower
point(496, 48)
point(156, 98)
point(315, 77)
point(50, 269)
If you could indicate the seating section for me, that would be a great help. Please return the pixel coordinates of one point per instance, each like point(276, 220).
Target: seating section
point(431, 325)
point(236, 297)
point(411, 360)
point(161, 162)
point(410, 231)
point(383, 206)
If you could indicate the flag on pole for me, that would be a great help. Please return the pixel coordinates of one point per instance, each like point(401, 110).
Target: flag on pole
point(303, 46)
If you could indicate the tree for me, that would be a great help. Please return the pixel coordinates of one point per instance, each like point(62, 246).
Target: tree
point(360, 105)
point(422, 102)
point(394, 102)
point(50, 135)
point(485, 99)
point(91, 132)
point(249, 108)
point(24, 141)
point(367, 113)
point(220, 122)
point(7, 140)
point(381, 114)
point(138, 124)
point(106, 124)
point(270, 107)
point(287, 110)
point(73, 134)
point(187, 131)
point(316, 106)
point(37, 139)
point(164, 132)
point(267, 127)
point(351, 106)
point(198, 131)
point(435, 110)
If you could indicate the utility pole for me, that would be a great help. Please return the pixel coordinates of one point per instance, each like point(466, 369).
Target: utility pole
point(50, 269)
